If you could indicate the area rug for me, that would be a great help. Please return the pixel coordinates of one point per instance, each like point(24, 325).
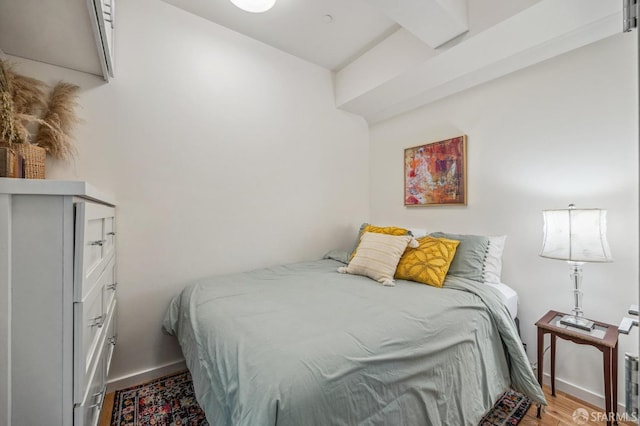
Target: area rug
point(509, 410)
point(170, 401)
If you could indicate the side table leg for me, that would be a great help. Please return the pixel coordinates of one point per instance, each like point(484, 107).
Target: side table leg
point(553, 364)
point(540, 363)
point(606, 353)
point(614, 382)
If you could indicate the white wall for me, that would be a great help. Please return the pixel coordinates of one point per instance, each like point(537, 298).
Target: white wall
point(562, 131)
point(224, 154)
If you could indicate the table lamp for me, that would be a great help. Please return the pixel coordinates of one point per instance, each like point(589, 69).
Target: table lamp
point(577, 236)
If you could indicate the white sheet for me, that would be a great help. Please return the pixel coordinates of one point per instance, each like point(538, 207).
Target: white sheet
point(509, 297)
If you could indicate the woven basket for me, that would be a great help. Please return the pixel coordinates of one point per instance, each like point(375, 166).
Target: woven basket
point(34, 158)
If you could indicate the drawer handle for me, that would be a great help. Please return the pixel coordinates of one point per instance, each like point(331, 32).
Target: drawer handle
point(111, 233)
point(98, 402)
point(97, 321)
point(112, 286)
point(97, 242)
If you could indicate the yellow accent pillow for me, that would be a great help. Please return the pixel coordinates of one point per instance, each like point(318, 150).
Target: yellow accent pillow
point(378, 255)
point(429, 263)
point(388, 230)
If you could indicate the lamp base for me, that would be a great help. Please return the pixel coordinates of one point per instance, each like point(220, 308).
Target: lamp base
point(577, 322)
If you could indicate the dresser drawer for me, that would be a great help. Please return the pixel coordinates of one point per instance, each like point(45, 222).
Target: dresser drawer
point(108, 282)
point(94, 244)
point(110, 339)
point(88, 412)
point(91, 318)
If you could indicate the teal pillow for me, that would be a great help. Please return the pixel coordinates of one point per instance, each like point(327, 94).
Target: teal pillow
point(339, 255)
point(470, 255)
point(355, 246)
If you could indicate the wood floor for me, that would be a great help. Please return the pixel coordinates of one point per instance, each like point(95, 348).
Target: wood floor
point(107, 408)
point(558, 413)
point(560, 410)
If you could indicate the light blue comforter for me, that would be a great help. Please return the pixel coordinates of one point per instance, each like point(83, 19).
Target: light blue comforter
point(304, 345)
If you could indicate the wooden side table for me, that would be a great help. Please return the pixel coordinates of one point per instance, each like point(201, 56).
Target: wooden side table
point(604, 337)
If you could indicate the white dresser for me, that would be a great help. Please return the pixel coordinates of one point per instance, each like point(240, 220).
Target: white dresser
point(57, 301)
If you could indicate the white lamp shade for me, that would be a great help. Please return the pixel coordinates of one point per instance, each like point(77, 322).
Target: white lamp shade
point(254, 6)
point(577, 235)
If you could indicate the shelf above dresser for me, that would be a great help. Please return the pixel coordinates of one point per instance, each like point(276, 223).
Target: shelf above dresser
point(74, 34)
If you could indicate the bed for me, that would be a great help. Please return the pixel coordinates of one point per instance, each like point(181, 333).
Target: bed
point(301, 344)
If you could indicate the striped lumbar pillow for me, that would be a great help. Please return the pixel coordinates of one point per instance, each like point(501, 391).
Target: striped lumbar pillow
point(389, 230)
point(377, 256)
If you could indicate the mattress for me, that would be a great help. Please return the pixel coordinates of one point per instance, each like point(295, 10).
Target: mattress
point(508, 296)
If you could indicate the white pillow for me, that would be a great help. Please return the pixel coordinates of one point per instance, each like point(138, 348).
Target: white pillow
point(492, 268)
point(378, 255)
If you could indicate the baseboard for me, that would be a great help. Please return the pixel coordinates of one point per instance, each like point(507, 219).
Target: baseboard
point(583, 394)
point(145, 376)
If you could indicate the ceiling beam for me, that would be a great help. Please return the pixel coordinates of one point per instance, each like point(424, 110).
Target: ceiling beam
point(540, 32)
point(435, 22)
point(393, 56)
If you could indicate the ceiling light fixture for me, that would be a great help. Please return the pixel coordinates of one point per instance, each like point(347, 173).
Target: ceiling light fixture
point(254, 6)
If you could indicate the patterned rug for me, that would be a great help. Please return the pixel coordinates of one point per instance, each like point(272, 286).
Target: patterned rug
point(509, 410)
point(170, 401)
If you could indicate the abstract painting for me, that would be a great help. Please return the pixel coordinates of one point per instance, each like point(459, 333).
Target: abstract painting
point(436, 173)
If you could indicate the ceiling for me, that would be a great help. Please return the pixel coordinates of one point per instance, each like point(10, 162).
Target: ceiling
point(393, 56)
point(387, 56)
point(332, 33)
point(329, 33)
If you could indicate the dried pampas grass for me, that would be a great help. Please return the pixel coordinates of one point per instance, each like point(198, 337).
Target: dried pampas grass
point(54, 134)
point(7, 120)
point(29, 95)
point(22, 100)
point(7, 123)
point(27, 115)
